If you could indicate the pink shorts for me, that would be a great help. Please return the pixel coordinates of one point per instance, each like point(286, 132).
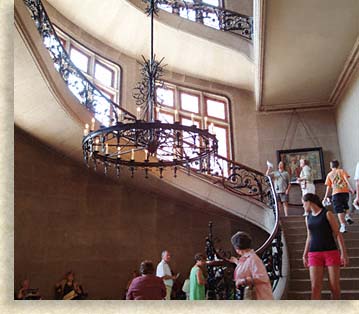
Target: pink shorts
point(324, 258)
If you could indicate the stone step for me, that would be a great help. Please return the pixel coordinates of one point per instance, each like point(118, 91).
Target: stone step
point(350, 235)
point(303, 230)
point(352, 252)
point(303, 273)
point(297, 263)
point(304, 284)
point(298, 243)
point(305, 295)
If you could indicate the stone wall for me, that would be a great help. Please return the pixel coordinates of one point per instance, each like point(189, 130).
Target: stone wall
point(70, 218)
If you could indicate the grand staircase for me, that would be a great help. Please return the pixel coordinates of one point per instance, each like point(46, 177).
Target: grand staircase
point(299, 283)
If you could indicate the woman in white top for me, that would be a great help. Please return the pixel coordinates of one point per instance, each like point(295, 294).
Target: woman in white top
point(305, 179)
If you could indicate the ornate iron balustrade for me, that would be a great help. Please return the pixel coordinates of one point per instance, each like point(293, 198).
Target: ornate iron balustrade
point(212, 16)
point(87, 93)
point(248, 182)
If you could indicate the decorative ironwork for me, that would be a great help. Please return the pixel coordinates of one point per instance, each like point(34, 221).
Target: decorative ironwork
point(123, 138)
point(145, 90)
point(107, 111)
point(157, 144)
point(212, 16)
point(220, 275)
point(248, 182)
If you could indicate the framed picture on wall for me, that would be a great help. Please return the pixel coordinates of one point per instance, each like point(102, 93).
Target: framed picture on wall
point(291, 157)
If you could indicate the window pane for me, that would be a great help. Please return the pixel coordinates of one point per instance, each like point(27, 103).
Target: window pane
point(80, 60)
point(188, 122)
point(216, 109)
point(104, 74)
point(188, 141)
point(221, 135)
point(165, 96)
point(165, 117)
point(190, 102)
point(211, 2)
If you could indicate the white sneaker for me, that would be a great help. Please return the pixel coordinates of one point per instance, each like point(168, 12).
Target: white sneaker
point(343, 229)
point(348, 219)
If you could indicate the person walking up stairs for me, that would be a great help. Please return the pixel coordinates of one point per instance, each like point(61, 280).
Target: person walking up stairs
point(299, 281)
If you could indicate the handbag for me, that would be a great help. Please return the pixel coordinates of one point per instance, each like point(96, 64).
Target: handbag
point(250, 293)
point(303, 184)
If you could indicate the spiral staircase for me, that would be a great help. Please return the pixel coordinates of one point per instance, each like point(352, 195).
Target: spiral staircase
point(244, 192)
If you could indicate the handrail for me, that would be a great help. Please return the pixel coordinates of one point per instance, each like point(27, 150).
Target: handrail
point(259, 187)
point(85, 91)
point(228, 20)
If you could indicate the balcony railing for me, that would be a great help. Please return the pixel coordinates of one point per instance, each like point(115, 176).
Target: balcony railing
point(209, 15)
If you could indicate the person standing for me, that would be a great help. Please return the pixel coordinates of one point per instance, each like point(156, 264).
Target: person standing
point(305, 178)
point(337, 180)
point(250, 271)
point(197, 279)
point(356, 178)
point(281, 185)
point(320, 249)
point(147, 286)
point(164, 272)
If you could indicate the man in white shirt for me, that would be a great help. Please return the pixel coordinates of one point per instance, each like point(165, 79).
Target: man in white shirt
point(164, 272)
point(356, 178)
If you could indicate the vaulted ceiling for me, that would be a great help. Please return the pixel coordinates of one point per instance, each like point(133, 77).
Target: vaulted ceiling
point(304, 50)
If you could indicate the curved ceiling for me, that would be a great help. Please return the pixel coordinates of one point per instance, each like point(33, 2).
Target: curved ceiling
point(123, 26)
point(307, 45)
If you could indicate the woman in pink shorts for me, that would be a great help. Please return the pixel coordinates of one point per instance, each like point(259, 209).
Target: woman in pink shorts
point(320, 248)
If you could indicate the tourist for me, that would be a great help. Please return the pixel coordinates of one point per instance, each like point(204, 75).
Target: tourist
point(356, 178)
point(320, 248)
point(147, 286)
point(250, 272)
point(281, 185)
point(337, 180)
point(69, 289)
point(26, 293)
point(305, 178)
point(164, 272)
point(197, 279)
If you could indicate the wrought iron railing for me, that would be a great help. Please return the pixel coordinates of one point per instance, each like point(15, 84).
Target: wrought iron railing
point(85, 91)
point(247, 182)
point(209, 15)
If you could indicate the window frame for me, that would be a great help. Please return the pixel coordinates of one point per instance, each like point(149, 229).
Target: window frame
point(115, 89)
point(203, 95)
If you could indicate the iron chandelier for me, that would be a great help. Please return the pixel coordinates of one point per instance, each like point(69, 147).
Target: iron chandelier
point(141, 141)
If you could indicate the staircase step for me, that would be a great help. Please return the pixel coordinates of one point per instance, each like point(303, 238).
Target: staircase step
point(305, 295)
point(298, 243)
point(303, 273)
point(295, 254)
point(304, 284)
point(299, 286)
point(297, 263)
point(303, 230)
point(350, 235)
